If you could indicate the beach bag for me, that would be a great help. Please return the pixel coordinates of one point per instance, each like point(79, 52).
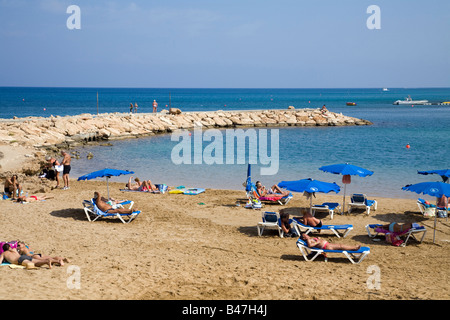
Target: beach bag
point(429, 212)
point(393, 239)
point(256, 204)
point(442, 214)
point(162, 187)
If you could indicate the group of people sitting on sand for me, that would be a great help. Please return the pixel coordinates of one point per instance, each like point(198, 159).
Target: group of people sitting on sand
point(145, 185)
point(22, 255)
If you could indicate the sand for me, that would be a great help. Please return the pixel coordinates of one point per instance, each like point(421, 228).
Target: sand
point(205, 247)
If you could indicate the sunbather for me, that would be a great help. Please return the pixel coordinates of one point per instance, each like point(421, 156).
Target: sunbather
point(33, 198)
point(13, 187)
point(396, 227)
point(12, 256)
point(322, 244)
point(308, 220)
point(23, 249)
point(107, 208)
point(146, 185)
point(443, 202)
point(263, 191)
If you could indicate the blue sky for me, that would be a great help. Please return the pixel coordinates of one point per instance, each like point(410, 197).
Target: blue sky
point(225, 44)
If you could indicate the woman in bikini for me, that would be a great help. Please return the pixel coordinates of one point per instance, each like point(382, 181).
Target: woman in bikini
point(396, 227)
point(33, 198)
point(322, 244)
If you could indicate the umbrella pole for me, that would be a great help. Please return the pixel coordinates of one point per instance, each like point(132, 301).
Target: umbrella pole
point(343, 201)
point(107, 186)
point(435, 219)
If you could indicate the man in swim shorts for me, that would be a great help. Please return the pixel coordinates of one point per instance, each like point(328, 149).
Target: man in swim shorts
point(12, 256)
point(66, 169)
point(107, 208)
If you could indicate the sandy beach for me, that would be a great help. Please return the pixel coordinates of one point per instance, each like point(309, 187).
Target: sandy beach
point(205, 247)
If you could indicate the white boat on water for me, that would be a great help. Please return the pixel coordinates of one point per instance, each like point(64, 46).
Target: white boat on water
point(410, 101)
point(385, 89)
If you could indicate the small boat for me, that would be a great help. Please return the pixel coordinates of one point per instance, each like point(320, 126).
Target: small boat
point(351, 103)
point(410, 101)
point(385, 89)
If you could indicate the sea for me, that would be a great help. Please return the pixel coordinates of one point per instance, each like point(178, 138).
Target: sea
point(402, 140)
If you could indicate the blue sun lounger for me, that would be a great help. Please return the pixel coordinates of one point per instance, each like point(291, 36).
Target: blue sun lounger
point(310, 254)
point(416, 229)
point(339, 230)
point(97, 213)
point(329, 207)
point(360, 201)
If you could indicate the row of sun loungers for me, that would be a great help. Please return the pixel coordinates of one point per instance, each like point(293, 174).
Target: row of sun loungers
point(271, 220)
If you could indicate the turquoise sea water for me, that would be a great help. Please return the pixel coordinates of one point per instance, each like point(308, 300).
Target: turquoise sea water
point(302, 150)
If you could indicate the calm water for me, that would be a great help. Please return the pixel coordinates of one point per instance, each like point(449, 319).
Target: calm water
point(380, 147)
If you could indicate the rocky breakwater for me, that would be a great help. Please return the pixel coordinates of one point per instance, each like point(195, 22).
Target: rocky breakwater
point(68, 131)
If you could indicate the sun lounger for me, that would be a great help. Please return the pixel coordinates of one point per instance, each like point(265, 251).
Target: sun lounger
point(310, 254)
point(339, 230)
point(92, 209)
point(329, 207)
point(270, 220)
point(273, 198)
point(373, 230)
point(360, 201)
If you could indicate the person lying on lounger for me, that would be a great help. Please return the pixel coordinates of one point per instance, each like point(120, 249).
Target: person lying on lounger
point(308, 220)
point(23, 249)
point(322, 244)
point(107, 208)
point(12, 256)
point(146, 185)
point(262, 191)
point(397, 227)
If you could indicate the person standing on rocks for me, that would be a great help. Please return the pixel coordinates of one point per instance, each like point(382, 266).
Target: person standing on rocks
point(155, 106)
point(66, 169)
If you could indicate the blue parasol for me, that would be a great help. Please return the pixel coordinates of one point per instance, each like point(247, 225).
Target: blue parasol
point(444, 173)
point(248, 182)
point(105, 173)
point(346, 170)
point(434, 189)
point(310, 186)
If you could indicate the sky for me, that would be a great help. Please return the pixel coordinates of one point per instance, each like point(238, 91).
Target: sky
point(225, 44)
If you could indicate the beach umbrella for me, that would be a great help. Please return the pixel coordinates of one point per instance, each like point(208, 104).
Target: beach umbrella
point(347, 170)
point(248, 182)
point(444, 173)
point(105, 173)
point(310, 186)
point(434, 189)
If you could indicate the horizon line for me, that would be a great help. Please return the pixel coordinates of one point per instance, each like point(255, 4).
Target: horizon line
point(232, 88)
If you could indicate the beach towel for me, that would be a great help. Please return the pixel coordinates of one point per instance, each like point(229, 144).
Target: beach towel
point(13, 245)
point(392, 237)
